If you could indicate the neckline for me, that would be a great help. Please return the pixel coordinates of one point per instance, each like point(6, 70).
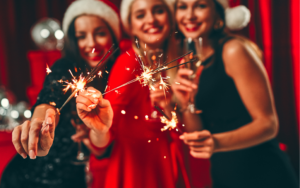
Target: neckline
point(205, 62)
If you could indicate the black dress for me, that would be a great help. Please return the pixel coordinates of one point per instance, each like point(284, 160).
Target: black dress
point(56, 169)
point(264, 165)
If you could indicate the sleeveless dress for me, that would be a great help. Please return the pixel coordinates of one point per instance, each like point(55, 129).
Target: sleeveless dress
point(56, 169)
point(263, 165)
point(141, 155)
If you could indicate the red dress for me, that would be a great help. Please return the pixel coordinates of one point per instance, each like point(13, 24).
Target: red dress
point(142, 156)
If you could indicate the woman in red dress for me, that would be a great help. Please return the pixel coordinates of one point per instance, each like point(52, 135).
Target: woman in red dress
point(140, 154)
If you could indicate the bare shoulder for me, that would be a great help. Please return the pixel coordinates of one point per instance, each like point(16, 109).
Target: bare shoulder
point(238, 56)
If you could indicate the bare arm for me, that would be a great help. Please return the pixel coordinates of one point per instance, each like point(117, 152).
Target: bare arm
point(250, 78)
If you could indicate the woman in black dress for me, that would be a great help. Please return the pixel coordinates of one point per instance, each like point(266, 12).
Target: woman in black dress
point(91, 27)
point(234, 94)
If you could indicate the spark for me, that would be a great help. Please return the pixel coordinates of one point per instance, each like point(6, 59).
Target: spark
point(100, 74)
point(164, 85)
point(165, 157)
point(106, 71)
point(146, 117)
point(48, 70)
point(52, 103)
point(136, 117)
point(177, 83)
point(76, 84)
point(149, 141)
point(93, 50)
point(170, 124)
point(127, 53)
point(123, 112)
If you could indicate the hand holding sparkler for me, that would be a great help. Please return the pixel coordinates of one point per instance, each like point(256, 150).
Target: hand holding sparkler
point(160, 95)
point(35, 137)
point(96, 113)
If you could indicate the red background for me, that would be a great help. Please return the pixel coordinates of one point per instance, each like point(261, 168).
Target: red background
point(274, 27)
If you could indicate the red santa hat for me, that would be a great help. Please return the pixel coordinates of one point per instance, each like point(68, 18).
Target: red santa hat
point(102, 8)
point(237, 17)
point(125, 11)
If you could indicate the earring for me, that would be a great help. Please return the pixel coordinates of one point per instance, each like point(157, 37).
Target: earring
point(219, 24)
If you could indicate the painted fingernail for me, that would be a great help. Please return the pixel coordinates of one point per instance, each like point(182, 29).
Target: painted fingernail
point(24, 155)
point(32, 154)
point(91, 91)
point(181, 137)
point(92, 106)
point(49, 121)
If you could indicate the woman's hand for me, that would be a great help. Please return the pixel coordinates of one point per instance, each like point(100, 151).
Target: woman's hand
point(82, 132)
point(95, 112)
point(201, 143)
point(182, 87)
point(35, 137)
point(159, 96)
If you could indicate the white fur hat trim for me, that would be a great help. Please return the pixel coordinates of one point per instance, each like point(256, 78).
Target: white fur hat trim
point(125, 10)
point(237, 17)
point(92, 7)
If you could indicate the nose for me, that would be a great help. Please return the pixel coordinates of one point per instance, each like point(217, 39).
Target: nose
point(190, 15)
point(90, 41)
point(150, 19)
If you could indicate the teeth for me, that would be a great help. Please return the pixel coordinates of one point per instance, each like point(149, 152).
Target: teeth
point(152, 30)
point(93, 54)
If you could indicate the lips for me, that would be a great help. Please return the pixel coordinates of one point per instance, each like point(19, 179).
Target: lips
point(191, 27)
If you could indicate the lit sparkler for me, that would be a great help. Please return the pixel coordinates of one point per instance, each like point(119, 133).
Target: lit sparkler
point(171, 123)
point(48, 70)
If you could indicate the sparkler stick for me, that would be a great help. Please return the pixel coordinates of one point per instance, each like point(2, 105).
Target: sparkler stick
point(90, 77)
point(162, 112)
point(176, 66)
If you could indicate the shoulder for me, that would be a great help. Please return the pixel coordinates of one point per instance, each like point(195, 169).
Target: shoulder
point(238, 56)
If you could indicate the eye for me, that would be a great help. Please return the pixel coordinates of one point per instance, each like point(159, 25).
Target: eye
point(201, 5)
point(140, 16)
point(80, 37)
point(181, 6)
point(102, 33)
point(159, 11)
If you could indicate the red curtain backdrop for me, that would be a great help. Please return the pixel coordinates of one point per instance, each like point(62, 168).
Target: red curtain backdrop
point(274, 27)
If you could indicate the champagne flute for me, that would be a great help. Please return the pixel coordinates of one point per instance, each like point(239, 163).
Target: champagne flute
point(82, 156)
point(194, 45)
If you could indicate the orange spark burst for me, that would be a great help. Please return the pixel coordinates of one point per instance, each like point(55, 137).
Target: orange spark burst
point(75, 84)
point(100, 74)
point(48, 70)
point(170, 124)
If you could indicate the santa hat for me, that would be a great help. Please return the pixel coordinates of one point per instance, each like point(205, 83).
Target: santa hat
point(237, 17)
point(102, 8)
point(125, 11)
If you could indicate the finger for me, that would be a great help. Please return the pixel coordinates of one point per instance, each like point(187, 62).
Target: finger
point(82, 107)
point(200, 149)
point(197, 135)
point(50, 118)
point(85, 100)
point(16, 135)
point(103, 103)
point(182, 88)
point(34, 133)
point(25, 135)
point(184, 72)
point(80, 135)
point(200, 155)
point(195, 143)
point(181, 62)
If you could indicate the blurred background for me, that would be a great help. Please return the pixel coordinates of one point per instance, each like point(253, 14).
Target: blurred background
point(31, 39)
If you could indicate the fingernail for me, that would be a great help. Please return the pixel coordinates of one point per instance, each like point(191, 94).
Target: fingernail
point(46, 129)
point(91, 91)
point(181, 137)
point(24, 155)
point(32, 154)
point(49, 121)
point(96, 101)
point(92, 106)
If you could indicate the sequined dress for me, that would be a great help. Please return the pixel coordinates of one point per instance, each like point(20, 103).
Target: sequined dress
point(56, 169)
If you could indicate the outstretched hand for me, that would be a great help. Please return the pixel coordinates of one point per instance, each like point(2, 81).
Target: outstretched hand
point(35, 137)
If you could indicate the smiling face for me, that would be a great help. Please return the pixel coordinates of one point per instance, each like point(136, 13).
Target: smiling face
point(150, 22)
point(94, 38)
point(195, 18)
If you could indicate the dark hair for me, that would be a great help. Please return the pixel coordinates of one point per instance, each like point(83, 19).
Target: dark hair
point(71, 50)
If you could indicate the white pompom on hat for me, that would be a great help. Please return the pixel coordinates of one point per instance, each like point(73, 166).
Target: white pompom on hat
point(237, 17)
point(102, 8)
point(125, 11)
